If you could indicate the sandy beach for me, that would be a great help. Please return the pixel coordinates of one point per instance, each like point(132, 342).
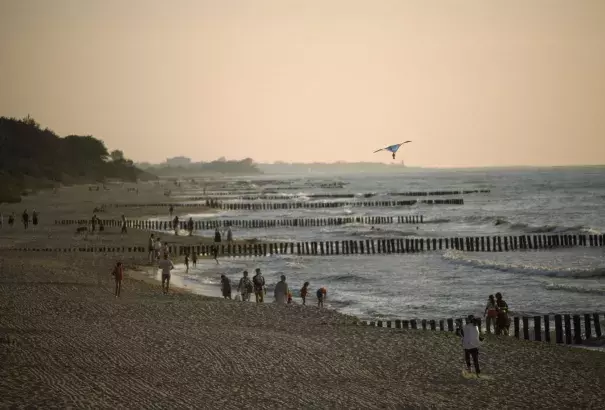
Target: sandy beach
point(66, 341)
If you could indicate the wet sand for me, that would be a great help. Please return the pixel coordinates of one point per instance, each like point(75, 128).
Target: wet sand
point(67, 341)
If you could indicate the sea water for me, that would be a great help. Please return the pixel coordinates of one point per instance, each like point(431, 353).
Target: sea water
point(436, 284)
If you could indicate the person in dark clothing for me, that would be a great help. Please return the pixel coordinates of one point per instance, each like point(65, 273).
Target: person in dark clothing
point(175, 225)
point(217, 236)
point(25, 218)
point(190, 226)
point(503, 320)
point(225, 287)
point(35, 218)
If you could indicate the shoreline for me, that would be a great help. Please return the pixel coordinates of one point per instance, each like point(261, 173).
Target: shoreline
point(181, 284)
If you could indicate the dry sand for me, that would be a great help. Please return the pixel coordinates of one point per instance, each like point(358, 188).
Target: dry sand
point(67, 341)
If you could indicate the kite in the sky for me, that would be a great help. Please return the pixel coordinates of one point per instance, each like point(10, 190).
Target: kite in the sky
point(392, 148)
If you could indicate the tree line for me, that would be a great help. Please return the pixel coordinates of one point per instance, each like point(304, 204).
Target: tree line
point(220, 166)
point(35, 158)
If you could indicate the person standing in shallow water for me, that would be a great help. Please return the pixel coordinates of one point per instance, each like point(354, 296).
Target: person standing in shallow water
point(118, 276)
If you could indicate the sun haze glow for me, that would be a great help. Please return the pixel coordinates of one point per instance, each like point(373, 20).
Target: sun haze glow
point(472, 83)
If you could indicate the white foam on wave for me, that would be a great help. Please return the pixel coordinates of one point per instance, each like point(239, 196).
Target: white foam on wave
point(543, 270)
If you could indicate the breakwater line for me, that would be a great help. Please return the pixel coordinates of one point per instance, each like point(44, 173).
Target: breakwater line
point(251, 223)
point(566, 328)
point(255, 206)
point(251, 196)
point(362, 247)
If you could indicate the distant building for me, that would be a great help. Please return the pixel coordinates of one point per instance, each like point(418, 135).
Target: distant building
point(178, 161)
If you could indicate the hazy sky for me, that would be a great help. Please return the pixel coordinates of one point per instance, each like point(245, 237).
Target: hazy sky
point(471, 82)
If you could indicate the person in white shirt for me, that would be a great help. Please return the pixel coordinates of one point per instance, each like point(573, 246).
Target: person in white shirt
point(166, 265)
point(471, 341)
point(158, 248)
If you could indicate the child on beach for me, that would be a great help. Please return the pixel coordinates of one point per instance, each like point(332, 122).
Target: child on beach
point(118, 275)
point(304, 291)
point(187, 263)
point(194, 259)
point(321, 294)
point(471, 341)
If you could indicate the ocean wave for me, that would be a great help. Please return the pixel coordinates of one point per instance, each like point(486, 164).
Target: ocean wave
point(545, 228)
point(574, 289)
point(347, 278)
point(464, 259)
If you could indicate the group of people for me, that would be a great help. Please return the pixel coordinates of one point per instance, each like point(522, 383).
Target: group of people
point(156, 249)
point(25, 219)
point(257, 286)
point(496, 315)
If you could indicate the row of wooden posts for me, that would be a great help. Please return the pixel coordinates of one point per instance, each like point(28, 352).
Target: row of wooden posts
point(250, 223)
point(272, 196)
point(253, 206)
point(537, 328)
point(367, 247)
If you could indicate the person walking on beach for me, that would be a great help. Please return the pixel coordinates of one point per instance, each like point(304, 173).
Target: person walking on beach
point(190, 226)
point(150, 247)
point(25, 218)
point(166, 265)
point(225, 287)
point(304, 291)
point(491, 314)
point(229, 235)
point(11, 220)
point(215, 252)
point(245, 287)
point(35, 219)
point(124, 228)
point(118, 275)
point(503, 321)
point(175, 225)
point(259, 286)
point(157, 247)
point(281, 291)
point(194, 259)
point(217, 236)
point(471, 341)
point(187, 262)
